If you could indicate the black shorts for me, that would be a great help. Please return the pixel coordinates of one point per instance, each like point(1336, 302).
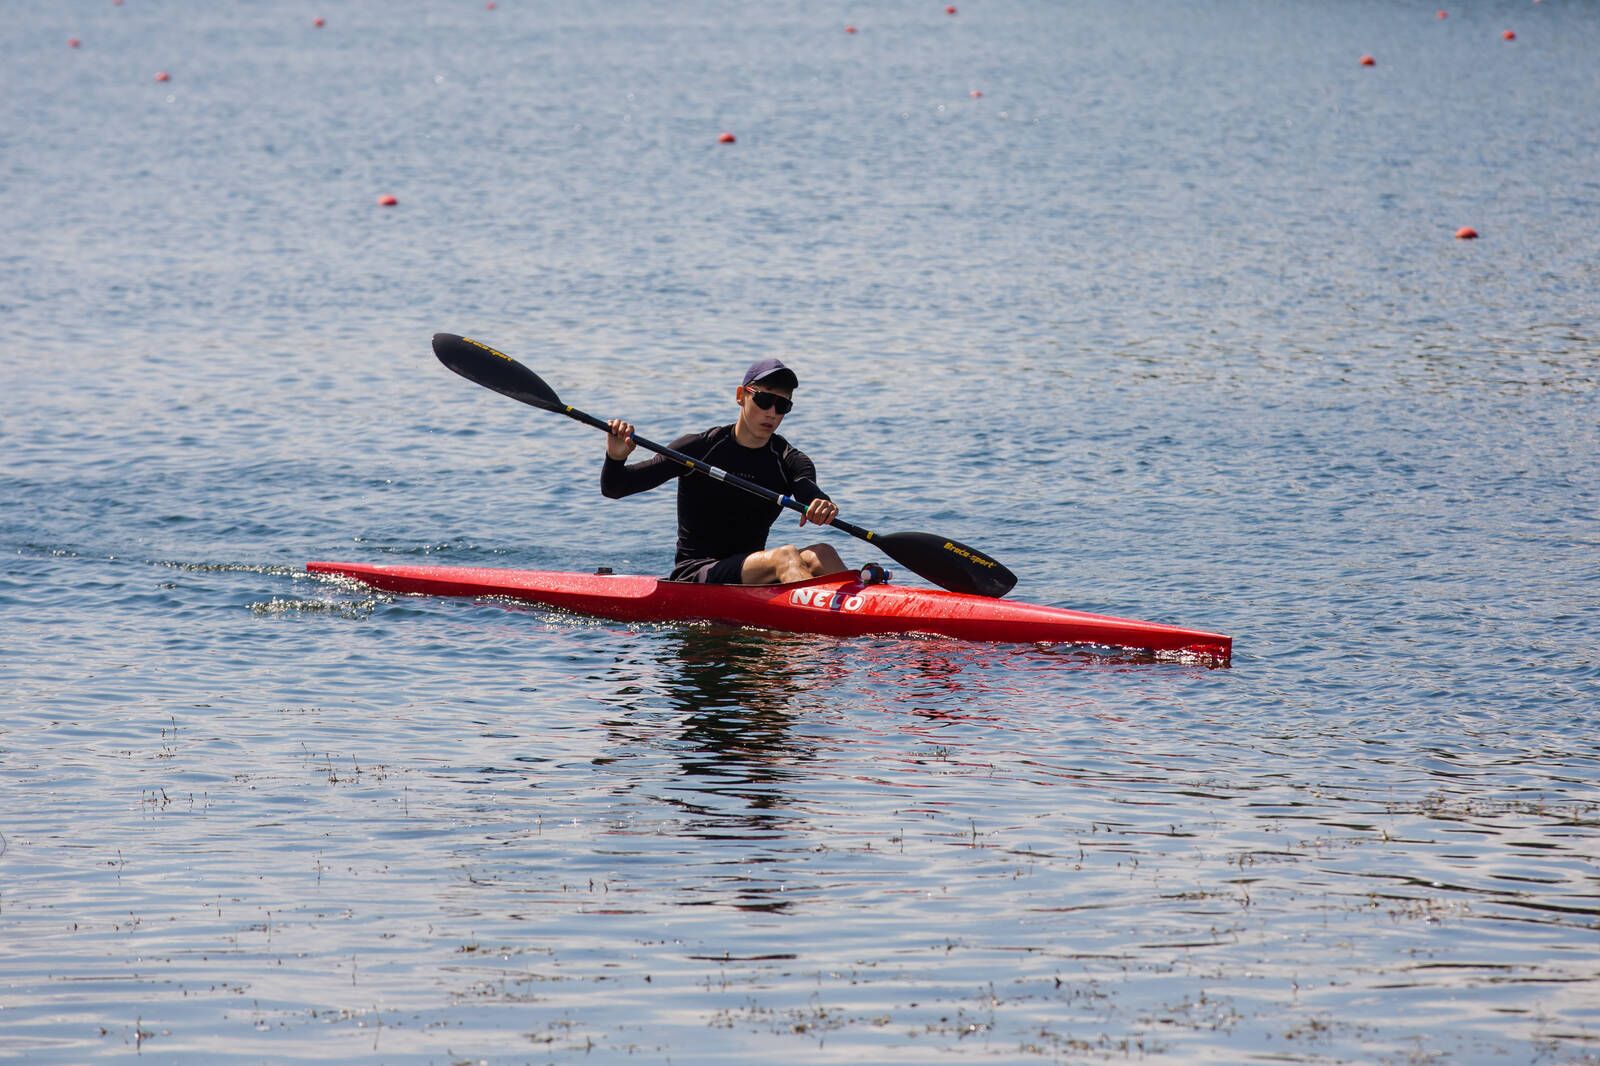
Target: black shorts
point(712, 571)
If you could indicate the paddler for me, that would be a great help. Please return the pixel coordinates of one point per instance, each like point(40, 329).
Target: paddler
point(722, 531)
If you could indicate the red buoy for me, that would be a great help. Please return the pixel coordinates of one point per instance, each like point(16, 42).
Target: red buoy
point(1509, 35)
point(1466, 233)
point(849, 29)
point(73, 42)
point(162, 75)
point(1441, 14)
point(489, 6)
point(1368, 61)
point(387, 201)
point(726, 138)
point(975, 93)
point(317, 22)
point(950, 10)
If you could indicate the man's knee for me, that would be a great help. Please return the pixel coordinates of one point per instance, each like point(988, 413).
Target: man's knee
point(780, 564)
point(822, 559)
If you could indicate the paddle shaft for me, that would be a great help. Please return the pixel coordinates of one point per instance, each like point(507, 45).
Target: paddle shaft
point(710, 471)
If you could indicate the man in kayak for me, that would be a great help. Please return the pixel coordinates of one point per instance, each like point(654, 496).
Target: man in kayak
point(722, 531)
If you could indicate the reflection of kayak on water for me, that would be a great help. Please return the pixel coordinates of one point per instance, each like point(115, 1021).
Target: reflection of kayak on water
point(838, 605)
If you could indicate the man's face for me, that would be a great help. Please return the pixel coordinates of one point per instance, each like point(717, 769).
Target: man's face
point(764, 405)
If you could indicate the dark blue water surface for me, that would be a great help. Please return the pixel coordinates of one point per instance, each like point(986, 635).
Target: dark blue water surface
point(1171, 319)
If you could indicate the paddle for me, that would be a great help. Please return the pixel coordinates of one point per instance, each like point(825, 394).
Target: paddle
point(945, 562)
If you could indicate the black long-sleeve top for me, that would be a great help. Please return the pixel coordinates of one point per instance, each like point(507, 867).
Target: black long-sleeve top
point(717, 520)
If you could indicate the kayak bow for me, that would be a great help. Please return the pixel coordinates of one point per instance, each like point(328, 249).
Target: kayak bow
point(837, 605)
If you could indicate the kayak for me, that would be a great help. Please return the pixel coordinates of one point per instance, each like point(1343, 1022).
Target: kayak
point(839, 605)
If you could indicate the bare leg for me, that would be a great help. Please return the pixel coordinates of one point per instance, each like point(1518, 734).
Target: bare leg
point(777, 566)
point(822, 559)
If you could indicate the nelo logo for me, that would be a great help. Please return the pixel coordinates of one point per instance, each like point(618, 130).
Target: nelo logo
point(822, 601)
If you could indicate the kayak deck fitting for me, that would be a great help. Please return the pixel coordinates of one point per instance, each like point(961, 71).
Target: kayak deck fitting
point(838, 605)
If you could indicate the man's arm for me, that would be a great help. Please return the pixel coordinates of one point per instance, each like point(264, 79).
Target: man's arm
point(802, 472)
point(619, 479)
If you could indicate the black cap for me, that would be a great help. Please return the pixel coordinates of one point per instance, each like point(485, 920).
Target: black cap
point(771, 372)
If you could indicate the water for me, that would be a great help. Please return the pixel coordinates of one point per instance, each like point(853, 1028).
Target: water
point(1170, 319)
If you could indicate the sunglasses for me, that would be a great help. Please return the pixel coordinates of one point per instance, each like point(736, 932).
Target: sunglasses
point(768, 401)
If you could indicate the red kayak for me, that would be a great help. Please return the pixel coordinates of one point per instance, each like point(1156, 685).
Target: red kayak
point(839, 605)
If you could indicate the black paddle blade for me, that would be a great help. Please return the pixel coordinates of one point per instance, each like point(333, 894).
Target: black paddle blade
point(494, 370)
point(947, 563)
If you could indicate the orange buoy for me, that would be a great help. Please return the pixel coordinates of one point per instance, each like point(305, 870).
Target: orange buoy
point(849, 29)
point(1466, 233)
point(1509, 35)
point(387, 201)
point(975, 93)
point(162, 75)
point(317, 22)
point(73, 42)
point(1368, 61)
point(726, 138)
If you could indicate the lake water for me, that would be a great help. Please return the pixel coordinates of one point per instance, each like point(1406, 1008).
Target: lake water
point(1171, 319)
